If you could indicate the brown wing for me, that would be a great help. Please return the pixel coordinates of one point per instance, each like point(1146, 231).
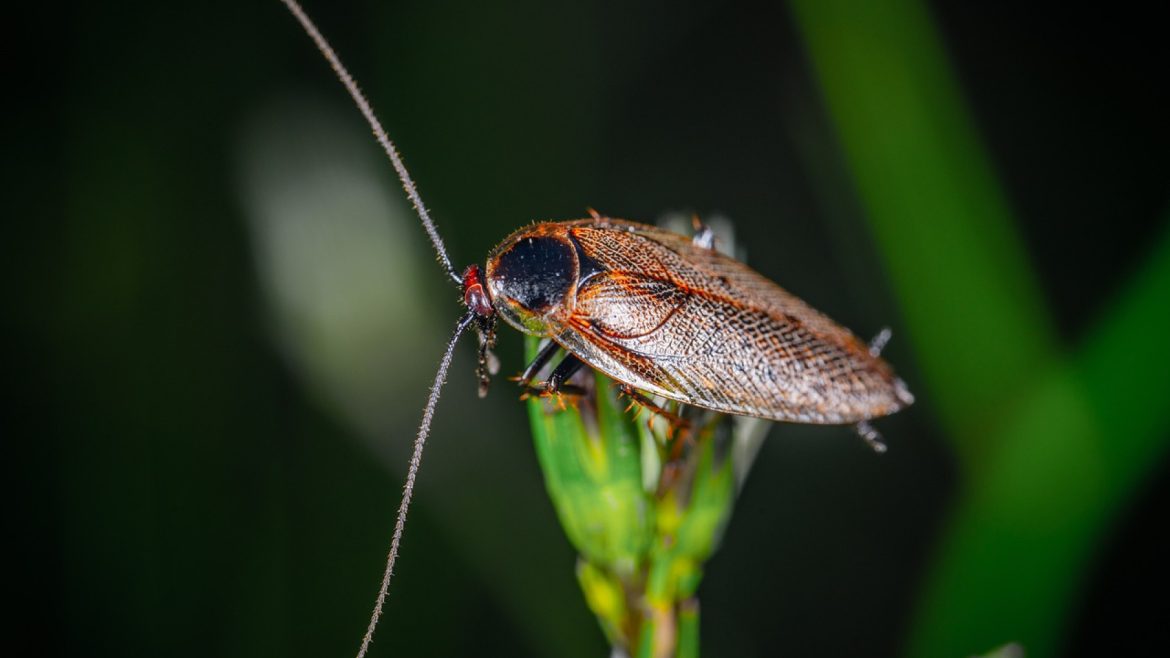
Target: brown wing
point(693, 325)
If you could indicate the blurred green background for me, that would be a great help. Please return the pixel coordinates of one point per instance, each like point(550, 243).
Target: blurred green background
point(223, 317)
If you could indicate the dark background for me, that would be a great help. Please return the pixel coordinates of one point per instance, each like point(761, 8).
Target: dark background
point(205, 459)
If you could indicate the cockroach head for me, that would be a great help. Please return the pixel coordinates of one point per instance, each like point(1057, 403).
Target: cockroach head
point(475, 295)
point(478, 301)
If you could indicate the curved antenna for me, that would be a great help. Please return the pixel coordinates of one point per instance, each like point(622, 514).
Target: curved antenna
point(379, 133)
point(408, 489)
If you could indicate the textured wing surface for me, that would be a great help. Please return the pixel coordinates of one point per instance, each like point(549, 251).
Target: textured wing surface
point(696, 326)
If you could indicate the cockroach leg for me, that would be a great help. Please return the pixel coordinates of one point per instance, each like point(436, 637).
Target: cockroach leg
point(540, 390)
point(561, 374)
point(489, 364)
point(542, 358)
point(643, 402)
point(704, 237)
point(870, 436)
point(555, 384)
point(879, 341)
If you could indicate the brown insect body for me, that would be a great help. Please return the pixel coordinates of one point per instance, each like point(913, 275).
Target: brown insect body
point(671, 316)
point(652, 309)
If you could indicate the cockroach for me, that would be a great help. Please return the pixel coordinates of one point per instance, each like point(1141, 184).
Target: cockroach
point(660, 313)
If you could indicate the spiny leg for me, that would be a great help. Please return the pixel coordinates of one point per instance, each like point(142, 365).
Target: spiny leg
point(704, 236)
point(561, 374)
point(870, 436)
point(864, 429)
point(555, 384)
point(679, 437)
point(488, 363)
point(542, 357)
point(879, 341)
point(875, 350)
point(637, 397)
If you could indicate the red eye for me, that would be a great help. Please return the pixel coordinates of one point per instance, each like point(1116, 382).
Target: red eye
point(475, 296)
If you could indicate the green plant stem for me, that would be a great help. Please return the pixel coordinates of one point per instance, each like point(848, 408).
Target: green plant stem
point(644, 520)
point(688, 629)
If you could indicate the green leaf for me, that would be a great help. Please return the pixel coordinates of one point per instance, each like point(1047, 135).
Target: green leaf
point(1050, 446)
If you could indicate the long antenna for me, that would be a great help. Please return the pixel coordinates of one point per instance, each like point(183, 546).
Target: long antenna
point(408, 489)
point(379, 133)
point(424, 428)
